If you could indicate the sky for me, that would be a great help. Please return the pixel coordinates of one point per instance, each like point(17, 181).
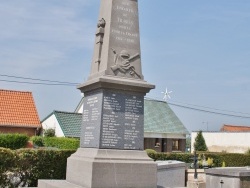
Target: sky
point(199, 50)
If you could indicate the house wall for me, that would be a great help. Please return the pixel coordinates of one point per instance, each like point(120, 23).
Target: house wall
point(183, 145)
point(166, 144)
point(80, 110)
point(52, 123)
point(164, 135)
point(169, 145)
point(21, 130)
point(232, 142)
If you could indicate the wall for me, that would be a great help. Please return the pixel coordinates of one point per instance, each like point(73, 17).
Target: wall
point(165, 144)
point(182, 144)
point(52, 123)
point(231, 142)
point(21, 130)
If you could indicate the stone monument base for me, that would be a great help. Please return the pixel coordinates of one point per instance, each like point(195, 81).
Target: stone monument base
point(105, 168)
point(170, 174)
point(196, 184)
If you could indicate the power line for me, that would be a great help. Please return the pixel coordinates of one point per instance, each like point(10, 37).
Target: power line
point(36, 83)
point(214, 109)
point(207, 111)
point(37, 79)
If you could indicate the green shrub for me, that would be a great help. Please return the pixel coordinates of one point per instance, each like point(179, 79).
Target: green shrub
point(30, 165)
point(13, 141)
point(248, 152)
point(61, 142)
point(34, 164)
point(37, 141)
point(223, 164)
point(200, 143)
point(49, 132)
point(7, 163)
point(150, 152)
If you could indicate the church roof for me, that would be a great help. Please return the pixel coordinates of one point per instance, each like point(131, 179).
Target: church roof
point(160, 118)
point(17, 109)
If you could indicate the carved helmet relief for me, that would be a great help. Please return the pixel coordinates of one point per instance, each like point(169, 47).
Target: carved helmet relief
point(122, 64)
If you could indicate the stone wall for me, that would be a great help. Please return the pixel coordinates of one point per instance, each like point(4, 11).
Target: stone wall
point(231, 142)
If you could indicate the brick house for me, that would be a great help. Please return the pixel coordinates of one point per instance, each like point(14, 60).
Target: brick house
point(18, 113)
point(234, 128)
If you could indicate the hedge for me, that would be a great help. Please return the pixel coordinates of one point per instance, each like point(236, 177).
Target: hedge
point(61, 142)
point(184, 157)
point(29, 165)
point(13, 141)
point(26, 166)
point(7, 163)
point(230, 159)
point(56, 142)
point(38, 141)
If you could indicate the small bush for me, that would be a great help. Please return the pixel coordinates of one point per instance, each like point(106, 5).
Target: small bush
point(248, 152)
point(223, 164)
point(61, 142)
point(49, 132)
point(13, 141)
point(37, 141)
point(150, 152)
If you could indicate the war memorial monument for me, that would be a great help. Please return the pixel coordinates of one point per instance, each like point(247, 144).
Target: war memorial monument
point(111, 151)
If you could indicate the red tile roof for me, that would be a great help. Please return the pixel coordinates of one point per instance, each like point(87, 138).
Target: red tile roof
point(233, 128)
point(17, 108)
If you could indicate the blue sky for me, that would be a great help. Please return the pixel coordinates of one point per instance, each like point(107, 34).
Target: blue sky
point(200, 50)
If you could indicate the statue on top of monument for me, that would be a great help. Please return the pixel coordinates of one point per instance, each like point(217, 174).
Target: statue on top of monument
point(123, 63)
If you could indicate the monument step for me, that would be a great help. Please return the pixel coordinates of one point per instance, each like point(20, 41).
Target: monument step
point(170, 187)
point(56, 184)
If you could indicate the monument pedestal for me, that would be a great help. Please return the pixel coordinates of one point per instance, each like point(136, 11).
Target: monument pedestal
point(105, 168)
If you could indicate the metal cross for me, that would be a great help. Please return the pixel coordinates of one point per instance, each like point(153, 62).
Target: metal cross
point(195, 158)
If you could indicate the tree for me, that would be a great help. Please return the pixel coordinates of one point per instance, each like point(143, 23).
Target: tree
point(200, 143)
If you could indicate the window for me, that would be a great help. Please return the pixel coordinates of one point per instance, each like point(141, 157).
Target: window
point(157, 142)
point(175, 145)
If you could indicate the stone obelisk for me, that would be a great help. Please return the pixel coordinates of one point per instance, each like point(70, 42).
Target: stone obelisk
point(111, 153)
